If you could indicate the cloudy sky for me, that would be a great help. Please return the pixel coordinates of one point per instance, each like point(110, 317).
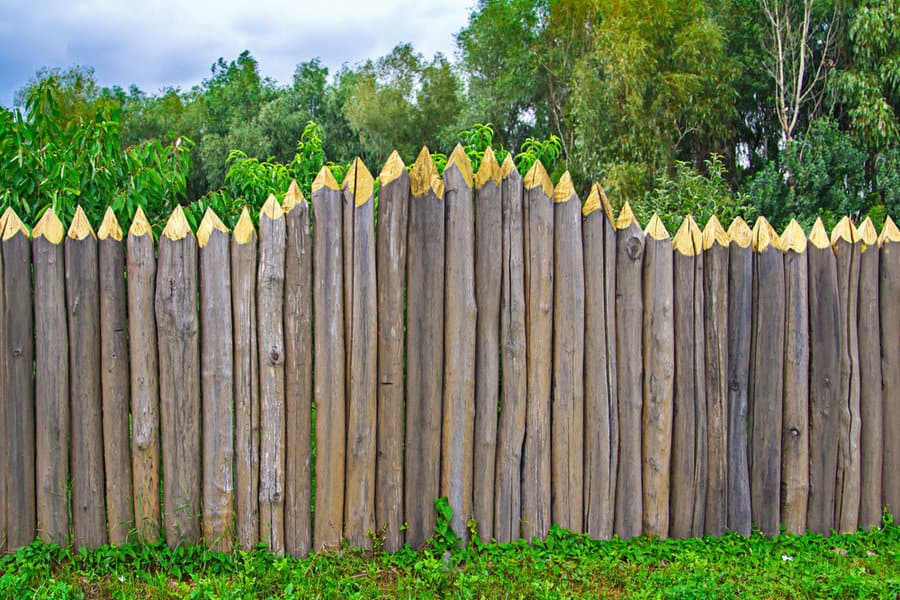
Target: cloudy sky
point(157, 43)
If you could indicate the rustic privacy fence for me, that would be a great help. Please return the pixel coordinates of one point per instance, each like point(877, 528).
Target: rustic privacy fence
point(713, 382)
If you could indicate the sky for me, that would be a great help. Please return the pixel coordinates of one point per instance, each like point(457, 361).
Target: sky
point(159, 43)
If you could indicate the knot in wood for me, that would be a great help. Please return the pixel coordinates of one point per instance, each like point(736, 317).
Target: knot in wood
point(734, 385)
point(633, 248)
point(274, 355)
point(795, 432)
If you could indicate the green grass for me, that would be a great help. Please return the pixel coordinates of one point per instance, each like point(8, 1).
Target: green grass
point(863, 565)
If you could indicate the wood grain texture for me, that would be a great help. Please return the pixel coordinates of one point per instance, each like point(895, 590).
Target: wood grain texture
point(889, 291)
point(83, 312)
point(567, 409)
point(514, 392)
point(393, 216)
point(145, 426)
point(4, 389)
point(871, 398)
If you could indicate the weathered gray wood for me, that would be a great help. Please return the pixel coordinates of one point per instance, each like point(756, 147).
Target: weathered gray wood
point(846, 499)
point(246, 381)
point(567, 410)
point(870, 379)
point(216, 382)
point(658, 357)
point(3, 392)
point(328, 367)
point(19, 388)
point(362, 356)
point(177, 325)
point(629, 372)
point(270, 329)
point(488, 283)
point(601, 411)
point(51, 344)
point(144, 371)
point(513, 397)
point(83, 312)
point(536, 479)
point(824, 381)
point(766, 379)
point(298, 345)
point(740, 293)
point(715, 311)
point(425, 348)
point(889, 291)
point(795, 424)
point(393, 216)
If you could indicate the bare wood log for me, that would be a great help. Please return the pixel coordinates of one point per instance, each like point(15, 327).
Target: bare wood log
point(689, 424)
point(629, 372)
point(795, 423)
point(824, 393)
point(488, 283)
point(846, 502)
point(4, 380)
point(536, 478)
point(179, 379)
point(601, 420)
point(658, 331)
point(514, 393)
point(83, 311)
point(715, 312)
point(216, 382)
point(393, 216)
point(362, 348)
point(567, 411)
point(328, 369)
point(889, 290)
point(19, 388)
point(740, 295)
point(51, 345)
point(144, 371)
point(870, 379)
point(298, 345)
point(246, 381)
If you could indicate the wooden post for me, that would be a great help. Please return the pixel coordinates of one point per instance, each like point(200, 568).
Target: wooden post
point(795, 424)
point(514, 393)
point(362, 349)
point(83, 311)
point(601, 411)
point(390, 239)
point(870, 379)
point(567, 414)
point(51, 344)
point(889, 290)
point(3, 392)
point(328, 353)
point(629, 372)
point(298, 345)
point(179, 379)
point(715, 317)
point(425, 348)
point(846, 501)
point(740, 295)
point(488, 278)
point(659, 373)
point(144, 377)
point(689, 424)
point(217, 384)
point(270, 328)
point(19, 385)
point(536, 480)
point(246, 381)
point(766, 378)
point(824, 383)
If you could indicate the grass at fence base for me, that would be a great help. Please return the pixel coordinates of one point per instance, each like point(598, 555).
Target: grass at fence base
point(866, 564)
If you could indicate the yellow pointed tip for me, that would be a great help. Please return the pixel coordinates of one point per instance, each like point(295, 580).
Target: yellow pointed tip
point(656, 229)
point(460, 160)
point(140, 225)
point(818, 237)
point(507, 167)
point(489, 170)
point(626, 217)
point(244, 231)
point(688, 239)
point(3, 219)
point(844, 230)
point(359, 182)
point(537, 176)
point(437, 185)
point(325, 179)
point(177, 227)
point(714, 233)
point(889, 233)
point(739, 233)
point(764, 235)
point(593, 202)
point(392, 169)
point(421, 174)
point(211, 222)
point(271, 209)
point(793, 239)
point(109, 228)
point(292, 198)
point(49, 227)
point(565, 189)
point(867, 234)
point(80, 227)
point(13, 225)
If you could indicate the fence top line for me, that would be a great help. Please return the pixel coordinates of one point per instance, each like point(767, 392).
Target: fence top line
point(714, 233)
point(244, 232)
point(489, 170)
point(889, 233)
point(211, 222)
point(109, 227)
point(392, 169)
point(177, 227)
point(48, 227)
point(688, 239)
point(325, 179)
point(292, 198)
point(359, 182)
point(656, 229)
point(564, 190)
point(793, 239)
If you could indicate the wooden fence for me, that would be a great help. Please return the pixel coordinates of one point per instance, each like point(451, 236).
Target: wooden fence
point(674, 387)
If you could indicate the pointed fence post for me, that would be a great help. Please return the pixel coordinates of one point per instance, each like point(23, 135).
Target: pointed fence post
point(889, 289)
